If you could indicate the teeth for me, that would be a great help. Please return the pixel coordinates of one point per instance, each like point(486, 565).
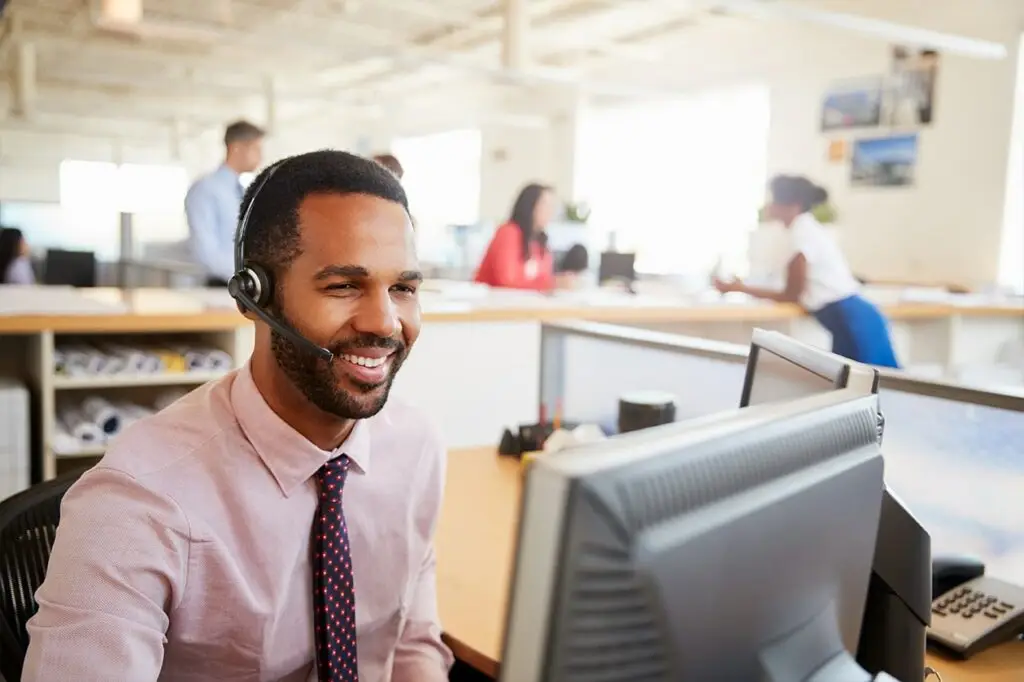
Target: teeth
point(364, 362)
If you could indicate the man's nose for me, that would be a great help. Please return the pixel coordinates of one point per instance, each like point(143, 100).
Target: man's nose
point(377, 315)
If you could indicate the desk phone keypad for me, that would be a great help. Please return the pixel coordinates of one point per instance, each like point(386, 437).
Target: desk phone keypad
point(977, 614)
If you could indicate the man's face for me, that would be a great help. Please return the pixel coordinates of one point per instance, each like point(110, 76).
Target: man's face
point(353, 290)
point(249, 154)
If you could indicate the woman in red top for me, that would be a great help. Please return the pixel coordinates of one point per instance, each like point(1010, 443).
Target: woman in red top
point(518, 256)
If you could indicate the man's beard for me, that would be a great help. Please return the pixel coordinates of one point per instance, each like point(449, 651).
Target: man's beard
point(315, 378)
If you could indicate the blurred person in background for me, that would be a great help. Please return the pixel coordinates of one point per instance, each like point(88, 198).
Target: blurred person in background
point(573, 263)
point(15, 265)
point(390, 162)
point(819, 278)
point(212, 202)
point(518, 256)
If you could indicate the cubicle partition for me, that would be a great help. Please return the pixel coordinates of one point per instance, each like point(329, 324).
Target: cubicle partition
point(586, 366)
point(955, 455)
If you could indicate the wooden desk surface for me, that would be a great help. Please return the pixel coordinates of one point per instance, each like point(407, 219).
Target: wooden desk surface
point(475, 548)
point(141, 310)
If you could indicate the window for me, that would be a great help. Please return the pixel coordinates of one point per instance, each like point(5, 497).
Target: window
point(1011, 249)
point(95, 192)
point(679, 181)
point(88, 185)
point(442, 181)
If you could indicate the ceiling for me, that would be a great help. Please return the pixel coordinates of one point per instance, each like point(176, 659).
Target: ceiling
point(126, 68)
point(192, 64)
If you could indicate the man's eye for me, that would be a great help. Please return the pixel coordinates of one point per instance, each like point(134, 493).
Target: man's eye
point(405, 288)
point(338, 287)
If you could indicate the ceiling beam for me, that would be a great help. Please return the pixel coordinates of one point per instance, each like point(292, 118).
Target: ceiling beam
point(515, 40)
point(24, 90)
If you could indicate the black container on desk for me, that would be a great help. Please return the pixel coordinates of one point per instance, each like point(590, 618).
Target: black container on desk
point(530, 437)
point(644, 409)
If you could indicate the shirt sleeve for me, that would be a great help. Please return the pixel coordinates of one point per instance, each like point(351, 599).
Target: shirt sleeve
point(20, 272)
point(117, 569)
point(803, 240)
point(205, 236)
point(421, 656)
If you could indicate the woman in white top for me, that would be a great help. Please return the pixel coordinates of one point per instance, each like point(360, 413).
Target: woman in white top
point(15, 266)
point(819, 278)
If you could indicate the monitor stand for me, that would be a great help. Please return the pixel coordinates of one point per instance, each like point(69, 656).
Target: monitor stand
point(814, 652)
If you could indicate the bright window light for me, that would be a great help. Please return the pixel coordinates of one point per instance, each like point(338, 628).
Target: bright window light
point(679, 181)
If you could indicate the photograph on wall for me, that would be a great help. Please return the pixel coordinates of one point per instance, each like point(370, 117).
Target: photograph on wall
point(884, 161)
point(855, 103)
point(910, 91)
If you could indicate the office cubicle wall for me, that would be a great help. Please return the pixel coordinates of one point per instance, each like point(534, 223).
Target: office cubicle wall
point(586, 366)
point(955, 455)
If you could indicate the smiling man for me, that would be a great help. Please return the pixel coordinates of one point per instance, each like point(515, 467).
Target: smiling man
point(277, 524)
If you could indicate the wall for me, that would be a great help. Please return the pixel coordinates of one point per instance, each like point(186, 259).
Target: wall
point(948, 226)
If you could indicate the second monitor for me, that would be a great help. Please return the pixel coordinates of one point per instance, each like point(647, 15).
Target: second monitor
point(898, 607)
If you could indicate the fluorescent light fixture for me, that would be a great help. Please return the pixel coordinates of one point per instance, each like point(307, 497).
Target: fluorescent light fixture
point(877, 28)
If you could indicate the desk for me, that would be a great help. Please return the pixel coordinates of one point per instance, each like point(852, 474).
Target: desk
point(497, 323)
point(476, 543)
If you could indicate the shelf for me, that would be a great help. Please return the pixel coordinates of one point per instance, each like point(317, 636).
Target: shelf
point(61, 382)
point(94, 451)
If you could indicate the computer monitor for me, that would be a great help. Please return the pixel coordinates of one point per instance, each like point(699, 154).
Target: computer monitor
point(781, 368)
point(732, 547)
point(617, 266)
point(74, 268)
point(898, 608)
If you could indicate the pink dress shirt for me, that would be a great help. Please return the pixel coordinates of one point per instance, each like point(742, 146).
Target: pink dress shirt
point(184, 555)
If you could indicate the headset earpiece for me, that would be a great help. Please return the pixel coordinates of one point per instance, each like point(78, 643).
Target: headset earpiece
point(251, 285)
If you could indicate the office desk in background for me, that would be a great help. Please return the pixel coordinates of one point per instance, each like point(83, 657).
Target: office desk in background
point(476, 542)
point(483, 325)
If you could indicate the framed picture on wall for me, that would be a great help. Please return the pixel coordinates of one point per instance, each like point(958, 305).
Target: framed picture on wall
point(884, 161)
point(855, 103)
point(910, 94)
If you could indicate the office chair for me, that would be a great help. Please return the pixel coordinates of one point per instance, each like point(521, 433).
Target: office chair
point(28, 523)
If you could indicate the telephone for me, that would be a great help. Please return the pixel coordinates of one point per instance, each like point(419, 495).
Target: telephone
point(976, 615)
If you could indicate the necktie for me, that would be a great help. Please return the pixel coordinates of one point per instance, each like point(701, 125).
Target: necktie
point(334, 606)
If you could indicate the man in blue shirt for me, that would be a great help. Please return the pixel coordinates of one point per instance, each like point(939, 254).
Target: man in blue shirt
point(212, 202)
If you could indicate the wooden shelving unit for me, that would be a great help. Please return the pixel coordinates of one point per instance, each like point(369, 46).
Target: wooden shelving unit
point(50, 390)
point(75, 383)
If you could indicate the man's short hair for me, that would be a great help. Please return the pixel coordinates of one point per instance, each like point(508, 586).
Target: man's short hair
point(391, 163)
point(242, 131)
point(272, 236)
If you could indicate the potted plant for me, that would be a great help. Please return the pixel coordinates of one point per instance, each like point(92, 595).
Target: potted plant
point(577, 212)
point(824, 213)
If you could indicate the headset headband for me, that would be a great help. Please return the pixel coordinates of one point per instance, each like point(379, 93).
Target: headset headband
point(243, 227)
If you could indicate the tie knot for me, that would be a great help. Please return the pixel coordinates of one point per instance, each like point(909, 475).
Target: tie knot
point(332, 476)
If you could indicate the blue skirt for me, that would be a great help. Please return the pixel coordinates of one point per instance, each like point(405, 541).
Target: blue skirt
point(859, 331)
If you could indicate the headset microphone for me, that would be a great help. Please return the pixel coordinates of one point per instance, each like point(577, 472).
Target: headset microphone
point(252, 287)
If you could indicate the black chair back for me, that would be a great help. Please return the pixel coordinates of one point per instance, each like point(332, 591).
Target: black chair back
point(28, 524)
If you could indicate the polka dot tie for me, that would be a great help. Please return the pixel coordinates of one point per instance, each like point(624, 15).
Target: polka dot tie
point(334, 605)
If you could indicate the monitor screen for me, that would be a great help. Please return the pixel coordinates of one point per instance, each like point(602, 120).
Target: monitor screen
point(775, 378)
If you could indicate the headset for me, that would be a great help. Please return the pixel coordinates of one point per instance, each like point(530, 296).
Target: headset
point(252, 286)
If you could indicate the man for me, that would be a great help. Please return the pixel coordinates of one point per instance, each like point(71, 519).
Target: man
point(209, 543)
point(211, 205)
point(390, 162)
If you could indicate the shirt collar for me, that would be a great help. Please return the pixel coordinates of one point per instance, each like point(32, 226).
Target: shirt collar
point(228, 171)
point(290, 457)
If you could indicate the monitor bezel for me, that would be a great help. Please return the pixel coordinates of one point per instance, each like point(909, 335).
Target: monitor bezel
point(842, 372)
